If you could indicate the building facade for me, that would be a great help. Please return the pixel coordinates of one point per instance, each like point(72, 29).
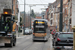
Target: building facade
point(54, 15)
point(8, 5)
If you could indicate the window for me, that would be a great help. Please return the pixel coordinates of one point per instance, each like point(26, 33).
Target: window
point(51, 21)
point(51, 15)
point(68, 0)
point(70, 21)
point(65, 35)
point(39, 30)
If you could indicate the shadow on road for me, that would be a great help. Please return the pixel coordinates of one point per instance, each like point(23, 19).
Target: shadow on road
point(39, 41)
point(5, 47)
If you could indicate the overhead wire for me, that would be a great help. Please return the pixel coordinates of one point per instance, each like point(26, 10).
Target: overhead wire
point(35, 1)
point(45, 1)
point(41, 1)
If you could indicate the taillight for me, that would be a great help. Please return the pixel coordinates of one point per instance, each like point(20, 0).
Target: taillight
point(45, 34)
point(58, 39)
point(33, 33)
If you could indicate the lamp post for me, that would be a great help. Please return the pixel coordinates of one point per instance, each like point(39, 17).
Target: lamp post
point(61, 16)
point(12, 6)
point(24, 19)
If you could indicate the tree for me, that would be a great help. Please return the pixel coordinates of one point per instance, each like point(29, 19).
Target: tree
point(32, 14)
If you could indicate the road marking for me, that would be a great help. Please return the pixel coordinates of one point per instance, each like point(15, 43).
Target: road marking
point(28, 37)
point(21, 37)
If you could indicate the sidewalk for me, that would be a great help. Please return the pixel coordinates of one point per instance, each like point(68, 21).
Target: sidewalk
point(19, 34)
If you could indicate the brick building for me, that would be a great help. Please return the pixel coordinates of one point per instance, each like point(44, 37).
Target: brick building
point(54, 14)
point(8, 4)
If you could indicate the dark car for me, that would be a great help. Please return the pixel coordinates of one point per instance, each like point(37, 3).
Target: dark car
point(64, 39)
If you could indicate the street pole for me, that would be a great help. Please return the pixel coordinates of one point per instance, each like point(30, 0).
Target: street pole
point(61, 16)
point(30, 17)
point(12, 6)
point(24, 19)
point(43, 16)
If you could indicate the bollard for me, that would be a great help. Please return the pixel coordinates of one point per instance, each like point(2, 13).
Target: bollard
point(73, 38)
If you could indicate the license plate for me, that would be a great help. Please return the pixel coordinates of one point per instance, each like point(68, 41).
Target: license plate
point(68, 47)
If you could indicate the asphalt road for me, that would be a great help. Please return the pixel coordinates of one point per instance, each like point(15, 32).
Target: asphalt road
point(26, 43)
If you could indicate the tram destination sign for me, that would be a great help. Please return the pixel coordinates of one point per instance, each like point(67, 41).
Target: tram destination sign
point(39, 26)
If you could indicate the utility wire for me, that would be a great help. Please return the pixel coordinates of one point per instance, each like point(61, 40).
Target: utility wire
point(35, 1)
point(45, 1)
point(41, 1)
point(22, 1)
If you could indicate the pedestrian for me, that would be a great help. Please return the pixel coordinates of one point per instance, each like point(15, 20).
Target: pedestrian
point(53, 32)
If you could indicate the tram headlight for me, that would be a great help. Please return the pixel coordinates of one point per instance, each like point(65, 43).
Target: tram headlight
point(36, 22)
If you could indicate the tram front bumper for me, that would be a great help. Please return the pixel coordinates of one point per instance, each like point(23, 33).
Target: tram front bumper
point(39, 38)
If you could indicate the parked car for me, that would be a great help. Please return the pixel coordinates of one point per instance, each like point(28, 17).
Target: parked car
point(27, 31)
point(26, 28)
point(64, 39)
point(30, 31)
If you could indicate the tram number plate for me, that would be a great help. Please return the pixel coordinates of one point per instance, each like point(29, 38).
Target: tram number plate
point(40, 26)
point(68, 47)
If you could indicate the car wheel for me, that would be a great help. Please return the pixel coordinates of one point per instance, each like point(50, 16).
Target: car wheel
point(6, 45)
point(53, 44)
point(56, 44)
point(33, 40)
point(11, 44)
point(14, 43)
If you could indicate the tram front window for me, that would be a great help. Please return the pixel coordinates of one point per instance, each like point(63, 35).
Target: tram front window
point(39, 30)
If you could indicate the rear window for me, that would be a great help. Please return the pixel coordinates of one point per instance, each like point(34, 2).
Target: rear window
point(66, 35)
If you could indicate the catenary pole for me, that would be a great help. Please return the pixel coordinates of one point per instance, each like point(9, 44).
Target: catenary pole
point(24, 19)
point(12, 6)
point(30, 17)
point(61, 16)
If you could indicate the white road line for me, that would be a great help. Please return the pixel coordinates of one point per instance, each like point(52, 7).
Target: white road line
point(21, 37)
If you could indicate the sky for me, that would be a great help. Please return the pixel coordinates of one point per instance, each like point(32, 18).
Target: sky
point(37, 8)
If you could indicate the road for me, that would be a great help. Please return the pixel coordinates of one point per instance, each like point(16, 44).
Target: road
point(25, 43)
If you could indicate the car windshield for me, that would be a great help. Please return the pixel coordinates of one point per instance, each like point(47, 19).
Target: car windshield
point(5, 23)
point(66, 35)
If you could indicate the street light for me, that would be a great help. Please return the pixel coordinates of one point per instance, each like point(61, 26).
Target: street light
point(44, 9)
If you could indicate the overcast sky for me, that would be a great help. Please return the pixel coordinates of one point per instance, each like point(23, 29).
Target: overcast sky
point(36, 8)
